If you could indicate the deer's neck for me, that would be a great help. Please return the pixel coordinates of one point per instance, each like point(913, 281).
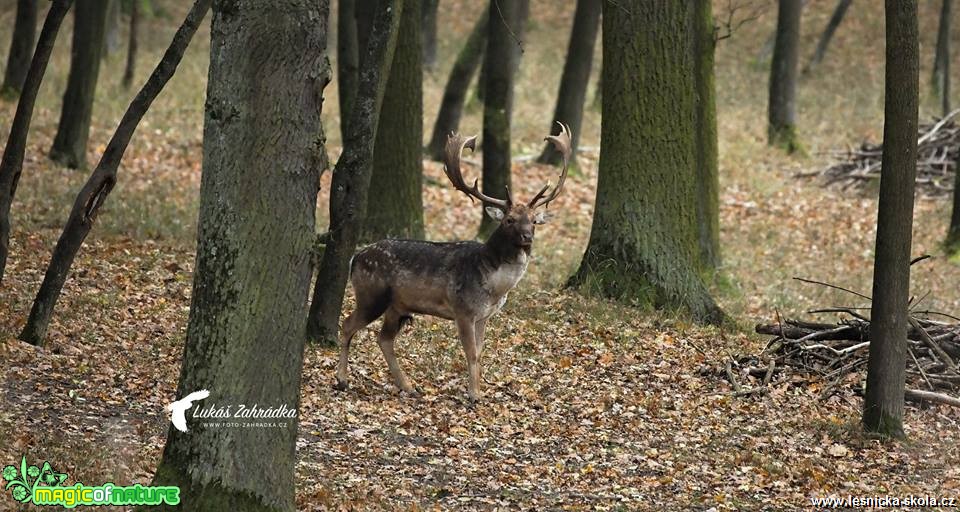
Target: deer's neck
point(502, 251)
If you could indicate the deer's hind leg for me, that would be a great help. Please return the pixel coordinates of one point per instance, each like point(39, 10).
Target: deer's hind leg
point(388, 333)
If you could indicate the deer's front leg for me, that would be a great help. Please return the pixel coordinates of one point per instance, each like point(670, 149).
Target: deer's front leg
point(467, 330)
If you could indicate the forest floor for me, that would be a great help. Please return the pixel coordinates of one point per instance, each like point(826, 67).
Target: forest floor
point(589, 404)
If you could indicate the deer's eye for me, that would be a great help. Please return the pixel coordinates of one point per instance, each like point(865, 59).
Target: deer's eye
point(511, 220)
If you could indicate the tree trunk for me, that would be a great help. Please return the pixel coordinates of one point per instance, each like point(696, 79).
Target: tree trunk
point(708, 184)
point(883, 403)
point(952, 243)
point(827, 35)
point(429, 32)
point(111, 34)
point(351, 176)
point(132, 44)
point(576, 77)
point(515, 27)
point(643, 243)
point(101, 181)
point(395, 195)
point(21, 49)
point(245, 337)
point(12, 164)
point(781, 127)
point(70, 144)
point(348, 59)
point(941, 60)
point(499, 59)
point(455, 93)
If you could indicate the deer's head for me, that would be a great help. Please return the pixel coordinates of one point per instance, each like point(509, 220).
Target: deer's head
point(518, 220)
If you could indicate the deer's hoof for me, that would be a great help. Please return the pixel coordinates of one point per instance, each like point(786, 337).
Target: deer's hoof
point(341, 385)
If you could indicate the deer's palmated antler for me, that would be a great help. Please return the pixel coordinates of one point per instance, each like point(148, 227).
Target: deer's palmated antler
point(563, 143)
point(451, 167)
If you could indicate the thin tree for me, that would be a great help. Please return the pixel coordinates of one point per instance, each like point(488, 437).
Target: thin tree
point(131, 64)
point(94, 193)
point(111, 33)
point(782, 105)
point(348, 59)
point(883, 402)
point(12, 164)
point(575, 78)
point(21, 49)
point(351, 176)
point(517, 31)
point(952, 243)
point(428, 32)
point(499, 63)
point(941, 60)
point(396, 185)
point(824, 42)
point(70, 144)
point(643, 243)
point(245, 336)
point(458, 83)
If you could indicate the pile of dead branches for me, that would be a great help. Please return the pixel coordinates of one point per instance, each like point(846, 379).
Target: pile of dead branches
point(938, 146)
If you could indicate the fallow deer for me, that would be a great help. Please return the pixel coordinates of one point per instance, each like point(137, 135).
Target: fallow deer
point(466, 282)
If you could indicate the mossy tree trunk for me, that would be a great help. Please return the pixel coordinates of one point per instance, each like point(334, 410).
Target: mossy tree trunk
point(348, 59)
point(395, 199)
point(12, 164)
point(575, 78)
point(245, 336)
point(351, 176)
point(708, 184)
point(70, 144)
point(824, 42)
point(883, 402)
point(941, 60)
point(499, 66)
point(95, 191)
point(643, 246)
point(455, 92)
point(782, 104)
point(21, 48)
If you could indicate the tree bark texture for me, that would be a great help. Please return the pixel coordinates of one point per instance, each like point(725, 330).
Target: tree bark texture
point(348, 59)
point(104, 177)
point(708, 184)
point(458, 83)
point(499, 59)
point(12, 164)
point(941, 60)
point(131, 64)
point(575, 78)
point(782, 106)
point(70, 143)
point(883, 402)
point(245, 336)
point(21, 48)
point(395, 197)
point(351, 176)
point(824, 42)
point(643, 243)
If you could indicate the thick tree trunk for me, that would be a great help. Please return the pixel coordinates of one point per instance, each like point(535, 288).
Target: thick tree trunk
point(499, 60)
point(101, 181)
point(782, 108)
point(351, 176)
point(883, 403)
point(428, 31)
point(455, 93)
point(708, 184)
point(12, 164)
point(643, 243)
point(395, 196)
point(21, 49)
point(132, 44)
point(827, 35)
point(70, 144)
point(576, 77)
point(941, 60)
point(245, 337)
point(348, 59)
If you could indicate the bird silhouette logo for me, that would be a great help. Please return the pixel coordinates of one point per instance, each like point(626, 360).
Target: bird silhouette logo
point(178, 408)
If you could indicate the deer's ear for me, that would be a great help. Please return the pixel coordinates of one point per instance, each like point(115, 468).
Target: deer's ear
point(541, 218)
point(494, 213)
